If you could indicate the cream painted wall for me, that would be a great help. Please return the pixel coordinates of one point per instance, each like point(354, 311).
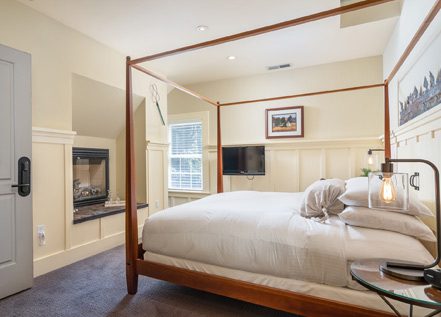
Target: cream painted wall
point(335, 124)
point(420, 137)
point(58, 53)
point(341, 115)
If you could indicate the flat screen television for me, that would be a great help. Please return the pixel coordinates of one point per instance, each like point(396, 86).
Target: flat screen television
point(243, 160)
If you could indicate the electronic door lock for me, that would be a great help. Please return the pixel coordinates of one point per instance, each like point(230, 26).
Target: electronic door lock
point(24, 177)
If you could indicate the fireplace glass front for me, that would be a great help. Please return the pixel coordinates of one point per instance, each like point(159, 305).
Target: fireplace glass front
point(90, 176)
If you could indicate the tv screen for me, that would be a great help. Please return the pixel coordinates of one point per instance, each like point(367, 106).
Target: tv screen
point(243, 160)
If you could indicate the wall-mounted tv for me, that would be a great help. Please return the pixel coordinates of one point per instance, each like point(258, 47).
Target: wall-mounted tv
point(243, 160)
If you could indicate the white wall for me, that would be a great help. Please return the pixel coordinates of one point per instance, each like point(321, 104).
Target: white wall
point(420, 137)
point(339, 128)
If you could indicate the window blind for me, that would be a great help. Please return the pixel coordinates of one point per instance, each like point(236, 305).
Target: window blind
point(185, 156)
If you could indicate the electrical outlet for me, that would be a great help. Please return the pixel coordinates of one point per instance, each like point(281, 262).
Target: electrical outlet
point(157, 203)
point(41, 233)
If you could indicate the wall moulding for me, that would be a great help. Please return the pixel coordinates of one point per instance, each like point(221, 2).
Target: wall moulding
point(46, 135)
point(429, 122)
point(316, 143)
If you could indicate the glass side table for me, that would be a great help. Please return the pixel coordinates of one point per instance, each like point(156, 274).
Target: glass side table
point(368, 274)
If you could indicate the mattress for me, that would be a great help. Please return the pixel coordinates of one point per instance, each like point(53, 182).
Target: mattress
point(263, 233)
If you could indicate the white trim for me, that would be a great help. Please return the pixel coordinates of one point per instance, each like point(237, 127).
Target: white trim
point(46, 135)
point(423, 124)
point(62, 258)
point(156, 145)
point(195, 192)
point(311, 144)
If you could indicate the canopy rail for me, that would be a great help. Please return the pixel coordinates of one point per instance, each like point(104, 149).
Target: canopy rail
point(266, 29)
point(421, 30)
point(173, 84)
point(322, 92)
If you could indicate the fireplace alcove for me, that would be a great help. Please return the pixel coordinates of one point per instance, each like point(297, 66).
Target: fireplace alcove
point(91, 185)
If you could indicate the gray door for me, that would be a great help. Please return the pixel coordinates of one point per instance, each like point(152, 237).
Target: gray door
point(16, 270)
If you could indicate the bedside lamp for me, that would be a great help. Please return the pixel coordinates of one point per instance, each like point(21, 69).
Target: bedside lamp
point(371, 160)
point(389, 190)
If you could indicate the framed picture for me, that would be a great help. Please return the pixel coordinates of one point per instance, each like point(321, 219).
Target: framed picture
point(284, 122)
point(419, 90)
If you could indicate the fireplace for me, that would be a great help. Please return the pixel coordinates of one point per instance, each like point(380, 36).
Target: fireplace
point(90, 176)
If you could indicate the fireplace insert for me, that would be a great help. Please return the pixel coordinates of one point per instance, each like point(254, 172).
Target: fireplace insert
point(90, 176)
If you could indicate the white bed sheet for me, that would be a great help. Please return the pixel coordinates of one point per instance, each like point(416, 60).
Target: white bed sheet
point(264, 233)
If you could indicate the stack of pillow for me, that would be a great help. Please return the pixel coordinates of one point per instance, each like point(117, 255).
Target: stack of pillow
point(351, 204)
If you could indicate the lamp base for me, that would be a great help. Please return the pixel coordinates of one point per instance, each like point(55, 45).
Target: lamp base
point(403, 270)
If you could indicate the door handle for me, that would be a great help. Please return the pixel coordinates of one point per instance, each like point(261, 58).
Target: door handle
point(24, 177)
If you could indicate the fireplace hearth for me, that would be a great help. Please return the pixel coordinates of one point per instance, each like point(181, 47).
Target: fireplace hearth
point(90, 176)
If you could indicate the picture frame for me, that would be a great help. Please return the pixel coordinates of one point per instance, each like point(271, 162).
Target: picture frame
point(419, 89)
point(286, 122)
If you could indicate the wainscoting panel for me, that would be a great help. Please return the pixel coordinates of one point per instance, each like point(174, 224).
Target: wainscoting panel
point(284, 167)
point(178, 198)
point(339, 163)
point(293, 166)
point(311, 167)
point(52, 207)
point(157, 164)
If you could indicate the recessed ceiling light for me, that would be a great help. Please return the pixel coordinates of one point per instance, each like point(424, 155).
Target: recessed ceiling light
point(231, 57)
point(202, 28)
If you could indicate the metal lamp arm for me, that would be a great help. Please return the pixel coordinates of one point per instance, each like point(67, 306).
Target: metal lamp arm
point(437, 203)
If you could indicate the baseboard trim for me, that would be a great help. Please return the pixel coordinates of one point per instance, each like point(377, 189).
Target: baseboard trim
point(77, 253)
point(57, 260)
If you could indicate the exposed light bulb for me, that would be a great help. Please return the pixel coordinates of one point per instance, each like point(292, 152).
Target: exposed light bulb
point(370, 160)
point(388, 192)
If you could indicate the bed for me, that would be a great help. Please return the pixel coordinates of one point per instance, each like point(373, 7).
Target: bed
point(261, 238)
point(269, 269)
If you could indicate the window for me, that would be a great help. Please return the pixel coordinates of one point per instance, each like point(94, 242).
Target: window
point(185, 161)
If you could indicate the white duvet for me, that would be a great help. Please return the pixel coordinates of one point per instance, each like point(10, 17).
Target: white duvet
point(264, 233)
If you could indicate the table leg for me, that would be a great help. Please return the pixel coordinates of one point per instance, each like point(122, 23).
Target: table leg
point(391, 306)
point(410, 310)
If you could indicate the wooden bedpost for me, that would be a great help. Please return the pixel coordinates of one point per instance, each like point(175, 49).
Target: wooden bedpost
point(131, 211)
point(220, 181)
point(387, 151)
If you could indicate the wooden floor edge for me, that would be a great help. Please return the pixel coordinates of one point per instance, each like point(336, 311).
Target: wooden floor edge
point(296, 303)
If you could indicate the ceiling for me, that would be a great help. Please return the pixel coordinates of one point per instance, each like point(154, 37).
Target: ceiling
point(142, 27)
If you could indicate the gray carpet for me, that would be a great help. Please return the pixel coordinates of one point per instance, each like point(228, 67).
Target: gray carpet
point(96, 287)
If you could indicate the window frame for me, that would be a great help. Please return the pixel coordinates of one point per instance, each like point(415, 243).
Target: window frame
point(184, 156)
point(188, 118)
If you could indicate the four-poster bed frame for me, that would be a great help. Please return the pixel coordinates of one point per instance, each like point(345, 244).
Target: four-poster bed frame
point(274, 298)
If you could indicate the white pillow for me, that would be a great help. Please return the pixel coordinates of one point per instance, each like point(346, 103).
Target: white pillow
point(321, 198)
point(357, 194)
point(386, 220)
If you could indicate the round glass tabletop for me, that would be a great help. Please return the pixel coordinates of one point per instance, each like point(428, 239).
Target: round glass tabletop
point(367, 273)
